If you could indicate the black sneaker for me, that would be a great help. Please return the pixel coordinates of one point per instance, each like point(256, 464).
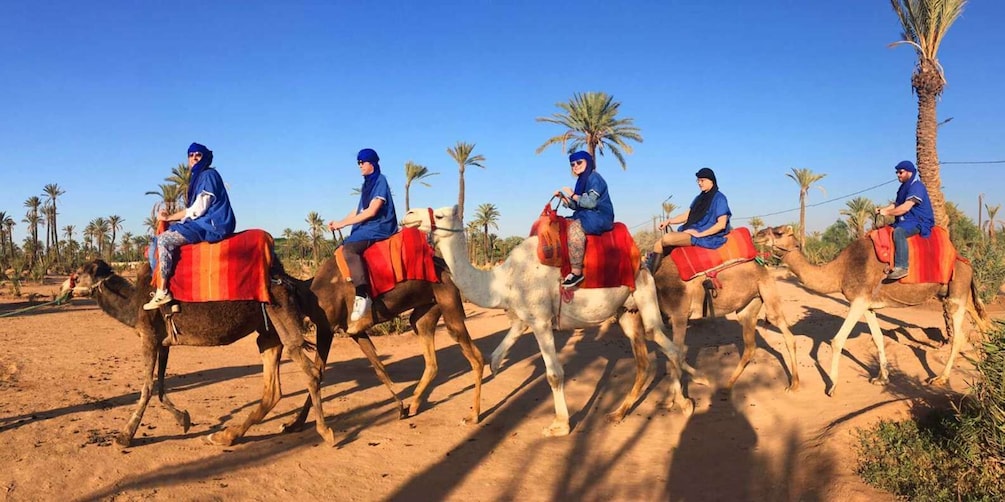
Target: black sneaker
point(896, 274)
point(572, 280)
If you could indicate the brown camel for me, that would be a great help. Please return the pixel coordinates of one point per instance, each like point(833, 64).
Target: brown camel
point(860, 276)
point(279, 325)
point(746, 288)
point(328, 301)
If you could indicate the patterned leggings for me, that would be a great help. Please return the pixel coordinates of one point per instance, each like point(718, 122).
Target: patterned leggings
point(577, 244)
point(167, 247)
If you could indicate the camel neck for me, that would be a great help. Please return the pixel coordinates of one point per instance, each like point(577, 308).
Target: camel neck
point(820, 279)
point(116, 297)
point(478, 286)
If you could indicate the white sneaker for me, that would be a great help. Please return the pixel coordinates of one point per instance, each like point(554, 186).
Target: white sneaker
point(161, 297)
point(359, 306)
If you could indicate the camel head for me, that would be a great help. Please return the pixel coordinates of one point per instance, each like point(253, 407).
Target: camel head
point(438, 223)
point(86, 278)
point(780, 239)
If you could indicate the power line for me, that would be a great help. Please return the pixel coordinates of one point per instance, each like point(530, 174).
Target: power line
point(976, 162)
point(818, 203)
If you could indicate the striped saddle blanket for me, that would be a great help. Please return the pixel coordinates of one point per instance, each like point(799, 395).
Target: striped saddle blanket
point(930, 259)
point(404, 256)
point(693, 260)
point(236, 268)
point(612, 259)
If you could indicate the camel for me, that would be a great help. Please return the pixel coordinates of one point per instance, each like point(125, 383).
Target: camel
point(746, 288)
point(860, 276)
point(278, 325)
point(328, 300)
point(530, 293)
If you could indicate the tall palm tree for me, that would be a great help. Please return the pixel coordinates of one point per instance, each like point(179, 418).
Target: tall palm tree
point(316, 224)
point(181, 175)
point(472, 231)
point(99, 232)
point(487, 215)
point(127, 246)
point(170, 195)
point(53, 192)
point(3, 240)
point(668, 209)
point(9, 223)
point(805, 178)
point(415, 172)
point(992, 219)
point(462, 154)
point(114, 224)
point(756, 223)
point(860, 210)
point(924, 24)
point(32, 218)
point(590, 121)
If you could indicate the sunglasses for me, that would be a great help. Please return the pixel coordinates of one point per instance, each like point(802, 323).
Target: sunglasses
point(193, 154)
point(576, 163)
point(901, 171)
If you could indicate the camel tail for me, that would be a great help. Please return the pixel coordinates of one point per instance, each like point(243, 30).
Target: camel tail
point(978, 312)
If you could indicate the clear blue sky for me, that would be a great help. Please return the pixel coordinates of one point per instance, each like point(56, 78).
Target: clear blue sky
point(103, 98)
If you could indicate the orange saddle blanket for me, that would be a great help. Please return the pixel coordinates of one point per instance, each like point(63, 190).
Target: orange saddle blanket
point(693, 260)
point(930, 259)
point(612, 258)
point(236, 268)
point(404, 256)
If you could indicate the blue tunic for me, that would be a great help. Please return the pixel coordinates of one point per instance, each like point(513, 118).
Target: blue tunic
point(718, 208)
point(218, 221)
point(921, 215)
point(599, 217)
point(384, 224)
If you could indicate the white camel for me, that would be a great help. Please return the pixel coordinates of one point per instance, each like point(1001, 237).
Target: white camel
point(531, 295)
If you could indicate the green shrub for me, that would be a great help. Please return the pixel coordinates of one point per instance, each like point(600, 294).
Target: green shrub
point(988, 259)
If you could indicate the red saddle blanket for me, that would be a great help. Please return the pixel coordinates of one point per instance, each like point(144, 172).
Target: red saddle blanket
point(236, 268)
point(930, 259)
point(612, 258)
point(404, 256)
point(693, 260)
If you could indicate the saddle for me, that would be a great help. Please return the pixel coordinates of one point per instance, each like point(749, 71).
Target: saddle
point(404, 256)
point(236, 268)
point(930, 259)
point(612, 259)
point(693, 261)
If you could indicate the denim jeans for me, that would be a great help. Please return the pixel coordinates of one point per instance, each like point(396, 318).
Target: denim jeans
point(900, 236)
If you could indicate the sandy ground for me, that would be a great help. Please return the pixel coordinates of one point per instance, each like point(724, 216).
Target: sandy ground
point(69, 377)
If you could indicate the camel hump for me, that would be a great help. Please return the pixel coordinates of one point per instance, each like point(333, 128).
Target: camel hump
point(930, 259)
point(692, 261)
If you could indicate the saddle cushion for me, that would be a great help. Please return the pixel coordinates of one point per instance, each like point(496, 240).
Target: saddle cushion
point(930, 259)
point(236, 268)
point(693, 260)
point(612, 259)
point(404, 256)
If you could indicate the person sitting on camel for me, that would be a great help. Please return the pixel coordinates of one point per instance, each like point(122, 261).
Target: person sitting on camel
point(593, 211)
point(208, 217)
point(373, 219)
point(914, 216)
point(705, 223)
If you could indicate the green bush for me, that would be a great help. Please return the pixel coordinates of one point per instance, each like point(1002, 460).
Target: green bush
point(988, 259)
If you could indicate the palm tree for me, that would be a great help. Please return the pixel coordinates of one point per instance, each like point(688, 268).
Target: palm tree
point(860, 211)
point(114, 224)
point(992, 215)
point(170, 194)
point(316, 224)
point(415, 172)
point(756, 223)
point(668, 209)
point(99, 232)
point(590, 121)
point(52, 191)
point(924, 24)
point(181, 175)
point(805, 178)
point(3, 240)
point(472, 230)
point(32, 218)
point(461, 153)
point(127, 246)
point(9, 223)
point(487, 216)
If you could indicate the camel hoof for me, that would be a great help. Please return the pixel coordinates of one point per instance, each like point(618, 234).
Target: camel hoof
point(328, 435)
point(186, 422)
point(402, 412)
point(879, 381)
point(831, 391)
point(794, 387)
point(616, 417)
point(474, 419)
point(700, 380)
point(495, 367)
point(939, 380)
point(687, 407)
point(294, 426)
point(123, 440)
point(219, 439)
point(556, 429)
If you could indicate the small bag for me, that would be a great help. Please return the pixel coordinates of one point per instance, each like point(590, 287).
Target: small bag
point(549, 235)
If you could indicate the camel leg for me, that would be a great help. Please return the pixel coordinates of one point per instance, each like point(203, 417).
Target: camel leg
point(556, 377)
point(180, 416)
point(453, 316)
point(125, 437)
point(855, 312)
point(423, 321)
point(955, 312)
point(633, 329)
point(289, 329)
point(877, 338)
point(748, 322)
point(773, 306)
point(516, 328)
point(271, 351)
point(652, 321)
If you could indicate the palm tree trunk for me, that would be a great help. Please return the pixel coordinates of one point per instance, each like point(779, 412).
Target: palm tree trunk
point(928, 85)
point(460, 193)
point(802, 219)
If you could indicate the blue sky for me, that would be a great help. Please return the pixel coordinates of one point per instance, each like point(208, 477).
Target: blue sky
point(103, 98)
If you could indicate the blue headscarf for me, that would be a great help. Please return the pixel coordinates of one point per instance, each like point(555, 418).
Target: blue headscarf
point(906, 165)
point(207, 160)
point(369, 155)
point(590, 167)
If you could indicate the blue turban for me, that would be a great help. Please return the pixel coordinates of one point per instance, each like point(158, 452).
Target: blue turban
point(207, 158)
point(590, 167)
point(369, 155)
point(906, 165)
